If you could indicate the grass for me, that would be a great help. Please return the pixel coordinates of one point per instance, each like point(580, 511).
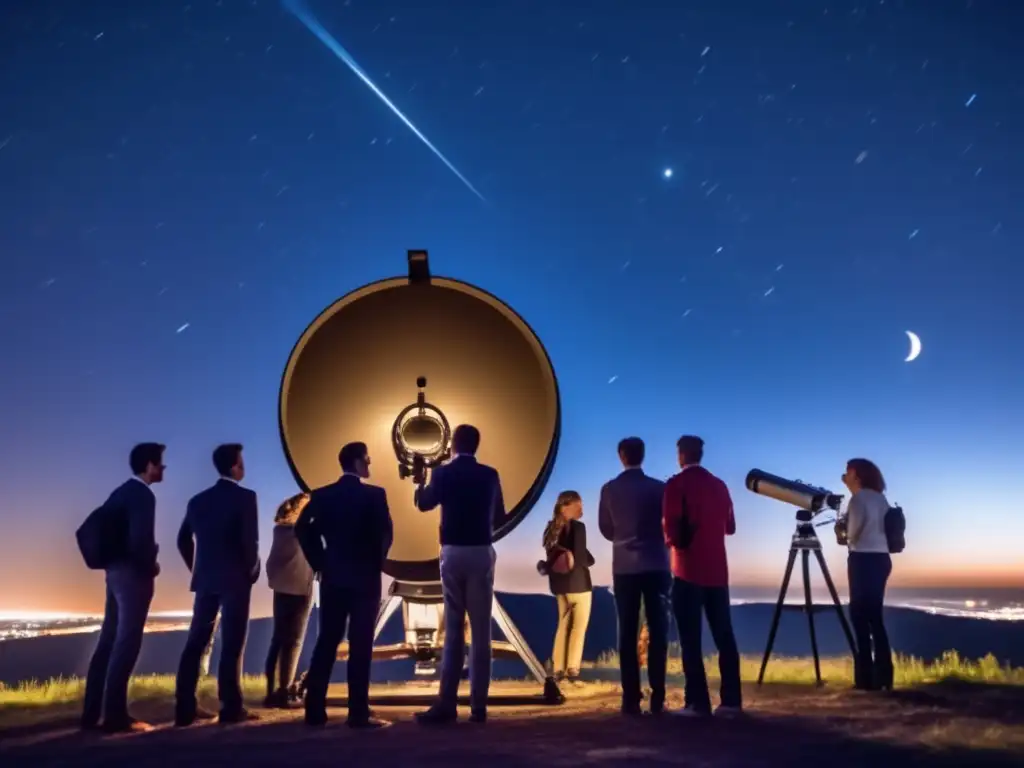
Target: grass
point(910, 671)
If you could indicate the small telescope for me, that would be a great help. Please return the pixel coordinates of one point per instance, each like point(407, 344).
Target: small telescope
point(795, 492)
point(810, 501)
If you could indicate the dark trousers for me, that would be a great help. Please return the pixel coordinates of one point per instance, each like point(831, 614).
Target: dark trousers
point(652, 590)
point(234, 627)
point(690, 603)
point(117, 651)
point(291, 614)
point(868, 573)
point(356, 610)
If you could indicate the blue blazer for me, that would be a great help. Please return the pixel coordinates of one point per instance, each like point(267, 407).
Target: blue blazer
point(345, 532)
point(219, 539)
point(471, 501)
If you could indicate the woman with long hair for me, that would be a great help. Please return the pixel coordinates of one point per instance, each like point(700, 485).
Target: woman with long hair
point(291, 579)
point(567, 566)
point(868, 568)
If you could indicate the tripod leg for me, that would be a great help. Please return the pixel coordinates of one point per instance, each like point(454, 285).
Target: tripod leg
point(778, 613)
point(809, 608)
point(387, 608)
point(835, 601)
point(511, 633)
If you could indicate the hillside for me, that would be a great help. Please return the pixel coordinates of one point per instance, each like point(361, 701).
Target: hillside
point(912, 632)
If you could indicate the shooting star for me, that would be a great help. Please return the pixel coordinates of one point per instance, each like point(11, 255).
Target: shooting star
point(297, 9)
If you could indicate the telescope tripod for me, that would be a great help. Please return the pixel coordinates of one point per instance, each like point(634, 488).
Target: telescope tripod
point(805, 541)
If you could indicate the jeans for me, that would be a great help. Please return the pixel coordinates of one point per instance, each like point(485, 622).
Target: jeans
point(467, 578)
point(344, 608)
point(573, 617)
point(868, 573)
point(117, 651)
point(291, 614)
point(689, 602)
point(234, 627)
point(652, 589)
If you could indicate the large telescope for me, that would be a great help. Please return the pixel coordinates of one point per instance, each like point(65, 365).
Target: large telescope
point(793, 492)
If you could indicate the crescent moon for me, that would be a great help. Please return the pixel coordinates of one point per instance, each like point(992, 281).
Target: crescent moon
point(915, 347)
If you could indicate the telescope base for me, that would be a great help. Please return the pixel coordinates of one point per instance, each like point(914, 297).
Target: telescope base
point(805, 545)
point(424, 627)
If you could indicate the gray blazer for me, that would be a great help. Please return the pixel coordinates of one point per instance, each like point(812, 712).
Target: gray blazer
point(287, 569)
point(629, 516)
point(219, 539)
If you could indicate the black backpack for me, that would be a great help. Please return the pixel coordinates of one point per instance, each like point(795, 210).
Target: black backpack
point(895, 529)
point(103, 537)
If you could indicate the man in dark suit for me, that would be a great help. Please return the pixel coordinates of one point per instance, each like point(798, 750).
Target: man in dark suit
point(345, 532)
point(629, 516)
point(219, 542)
point(130, 583)
point(471, 504)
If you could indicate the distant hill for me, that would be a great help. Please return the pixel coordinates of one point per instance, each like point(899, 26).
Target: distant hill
point(912, 632)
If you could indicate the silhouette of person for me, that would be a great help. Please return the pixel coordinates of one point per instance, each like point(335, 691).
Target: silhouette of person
point(471, 501)
point(698, 515)
point(629, 516)
point(345, 532)
point(291, 579)
point(567, 566)
point(130, 583)
point(869, 566)
point(219, 542)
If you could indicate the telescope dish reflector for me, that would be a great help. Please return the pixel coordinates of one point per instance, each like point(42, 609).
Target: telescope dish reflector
point(358, 366)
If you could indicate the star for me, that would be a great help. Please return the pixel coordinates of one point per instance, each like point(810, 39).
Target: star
point(667, 173)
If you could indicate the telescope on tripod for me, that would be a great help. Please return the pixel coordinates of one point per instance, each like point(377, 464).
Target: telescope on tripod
point(812, 502)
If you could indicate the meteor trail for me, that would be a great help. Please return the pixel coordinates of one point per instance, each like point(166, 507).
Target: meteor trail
point(299, 11)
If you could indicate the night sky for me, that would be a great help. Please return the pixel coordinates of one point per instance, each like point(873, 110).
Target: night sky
point(184, 186)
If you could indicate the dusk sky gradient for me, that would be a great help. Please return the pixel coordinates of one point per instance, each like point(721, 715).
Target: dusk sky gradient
point(185, 186)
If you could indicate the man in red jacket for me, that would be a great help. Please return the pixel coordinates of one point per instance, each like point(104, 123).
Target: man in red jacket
point(697, 515)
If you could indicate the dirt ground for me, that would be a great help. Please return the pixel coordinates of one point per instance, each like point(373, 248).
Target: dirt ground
point(937, 726)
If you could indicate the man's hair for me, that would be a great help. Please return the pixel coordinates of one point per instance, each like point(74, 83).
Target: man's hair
point(350, 454)
point(465, 439)
point(143, 455)
point(632, 451)
point(692, 447)
point(225, 457)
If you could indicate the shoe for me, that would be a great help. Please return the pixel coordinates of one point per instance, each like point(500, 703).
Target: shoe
point(240, 716)
point(273, 700)
point(88, 724)
point(128, 725)
point(689, 711)
point(316, 718)
point(437, 715)
point(478, 716)
point(657, 703)
point(366, 723)
point(632, 710)
point(725, 711)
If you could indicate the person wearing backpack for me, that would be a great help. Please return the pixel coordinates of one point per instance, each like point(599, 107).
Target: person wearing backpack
point(131, 570)
point(868, 568)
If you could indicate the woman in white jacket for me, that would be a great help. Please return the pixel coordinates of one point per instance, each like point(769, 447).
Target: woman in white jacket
point(291, 578)
point(868, 568)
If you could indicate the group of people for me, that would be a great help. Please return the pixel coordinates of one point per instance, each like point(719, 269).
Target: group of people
point(669, 558)
point(669, 555)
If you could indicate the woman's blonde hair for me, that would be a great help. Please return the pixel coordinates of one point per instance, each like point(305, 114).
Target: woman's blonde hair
point(559, 522)
point(289, 511)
